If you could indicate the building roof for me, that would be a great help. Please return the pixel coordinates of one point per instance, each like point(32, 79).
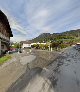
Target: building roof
point(3, 19)
point(25, 42)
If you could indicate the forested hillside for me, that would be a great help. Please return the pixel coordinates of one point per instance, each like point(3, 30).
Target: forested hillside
point(73, 34)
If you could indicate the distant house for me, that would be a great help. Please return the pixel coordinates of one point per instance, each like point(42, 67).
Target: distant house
point(26, 44)
point(38, 43)
point(5, 33)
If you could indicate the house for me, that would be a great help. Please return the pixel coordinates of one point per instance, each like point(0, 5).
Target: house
point(5, 33)
point(26, 44)
point(38, 43)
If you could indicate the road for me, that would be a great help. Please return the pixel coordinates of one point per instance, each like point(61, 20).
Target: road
point(27, 59)
point(62, 75)
point(13, 69)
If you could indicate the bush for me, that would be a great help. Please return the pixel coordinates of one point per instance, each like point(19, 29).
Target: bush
point(36, 46)
point(64, 45)
point(40, 46)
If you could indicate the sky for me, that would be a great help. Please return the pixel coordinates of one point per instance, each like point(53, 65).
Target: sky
point(30, 18)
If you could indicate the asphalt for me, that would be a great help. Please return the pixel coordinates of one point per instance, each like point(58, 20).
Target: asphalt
point(13, 69)
point(63, 75)
point(24, 79)
point(27, 59)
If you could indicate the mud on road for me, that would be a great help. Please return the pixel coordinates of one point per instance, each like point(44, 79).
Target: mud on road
point(48, 74)
point(62, 75)
point(12, 71)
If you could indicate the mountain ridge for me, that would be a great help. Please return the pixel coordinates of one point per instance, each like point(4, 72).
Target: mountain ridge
point(64, 35)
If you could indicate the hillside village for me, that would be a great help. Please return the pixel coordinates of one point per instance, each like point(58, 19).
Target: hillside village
point(55, 41)
point(49, 62)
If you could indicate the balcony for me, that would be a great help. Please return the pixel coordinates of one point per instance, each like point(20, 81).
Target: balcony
point(4, 37)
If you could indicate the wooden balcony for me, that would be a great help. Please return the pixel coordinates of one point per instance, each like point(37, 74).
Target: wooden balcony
point(4, 37)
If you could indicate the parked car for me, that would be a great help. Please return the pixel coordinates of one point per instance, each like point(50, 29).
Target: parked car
point(77, 46)
point(12, 50)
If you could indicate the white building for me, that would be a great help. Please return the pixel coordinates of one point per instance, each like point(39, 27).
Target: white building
point(37, 43)
point(26, 44)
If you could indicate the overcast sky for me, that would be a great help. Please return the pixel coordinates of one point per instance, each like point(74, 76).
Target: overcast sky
point(29, 18)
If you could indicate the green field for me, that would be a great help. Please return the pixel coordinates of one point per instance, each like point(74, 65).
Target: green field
point(4, 59)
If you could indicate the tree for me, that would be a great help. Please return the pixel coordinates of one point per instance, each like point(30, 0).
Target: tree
point(16, 45)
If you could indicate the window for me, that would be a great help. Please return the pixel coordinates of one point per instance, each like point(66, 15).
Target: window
point(2, 46)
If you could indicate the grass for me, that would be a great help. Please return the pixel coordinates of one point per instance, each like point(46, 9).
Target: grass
point(4, 59)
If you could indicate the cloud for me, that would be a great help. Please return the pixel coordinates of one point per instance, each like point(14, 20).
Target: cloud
point(39, 19)
point(52, 15)
point(13, 23)
point(34, 17)
point(18, 38)
point(38, 15)
point(41, 14)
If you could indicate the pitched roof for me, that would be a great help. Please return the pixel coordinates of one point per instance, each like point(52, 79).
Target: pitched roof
point(3, 19)
point(25, 42)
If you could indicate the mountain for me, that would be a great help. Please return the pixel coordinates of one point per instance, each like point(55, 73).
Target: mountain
point(75, 33)
point(55, 36)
